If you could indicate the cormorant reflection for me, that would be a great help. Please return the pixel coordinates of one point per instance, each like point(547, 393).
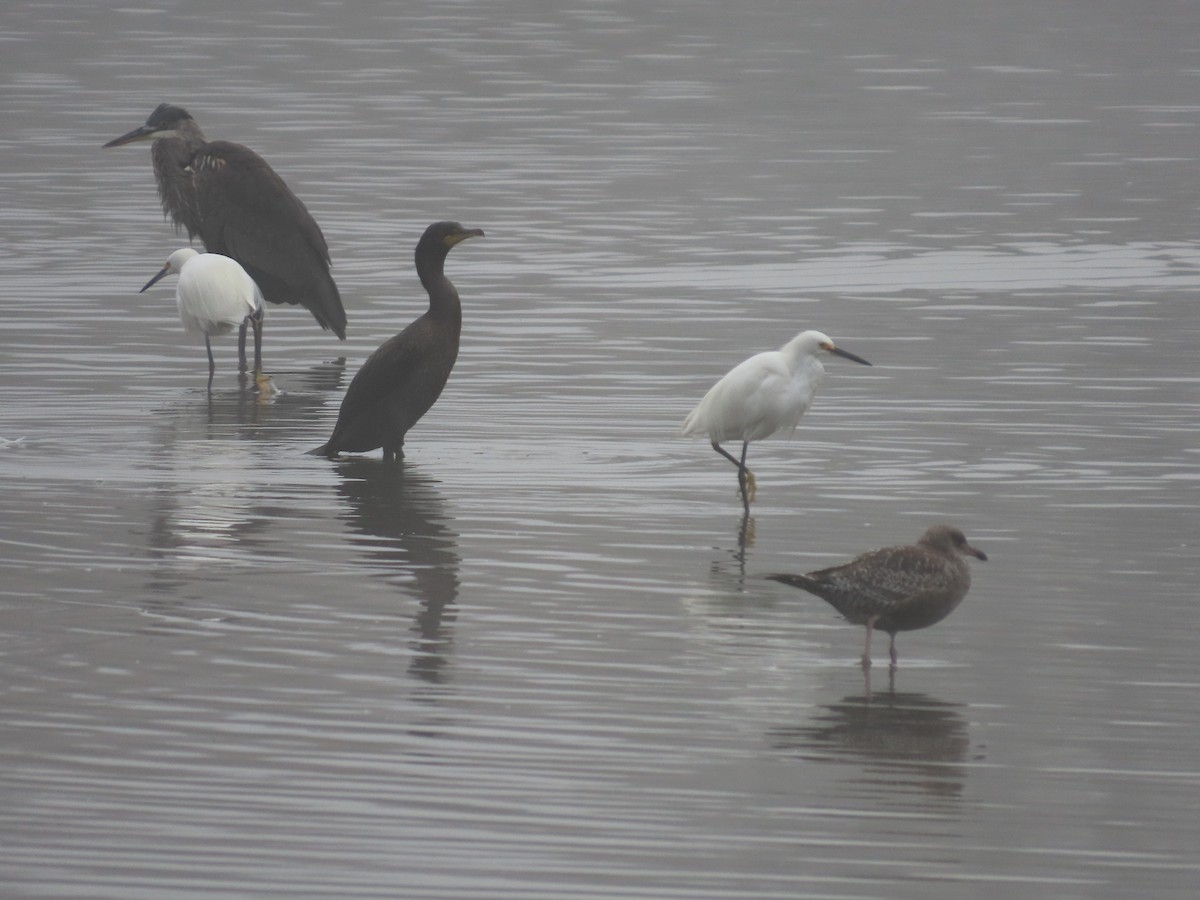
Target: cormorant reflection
point(409, 538)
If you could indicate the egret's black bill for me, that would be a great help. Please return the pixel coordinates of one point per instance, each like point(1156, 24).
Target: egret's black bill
point(838, 351)
point(162, 273)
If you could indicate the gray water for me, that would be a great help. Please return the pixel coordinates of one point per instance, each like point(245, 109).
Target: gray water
point(539, 658)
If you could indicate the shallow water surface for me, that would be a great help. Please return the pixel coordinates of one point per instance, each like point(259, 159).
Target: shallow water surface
point(539, 657)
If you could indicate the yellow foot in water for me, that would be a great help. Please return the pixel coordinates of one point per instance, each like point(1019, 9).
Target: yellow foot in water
point(266, 389)
point(751, 486)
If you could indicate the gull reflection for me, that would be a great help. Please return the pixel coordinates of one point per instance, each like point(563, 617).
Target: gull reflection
point(902, 742)
point(404, 531)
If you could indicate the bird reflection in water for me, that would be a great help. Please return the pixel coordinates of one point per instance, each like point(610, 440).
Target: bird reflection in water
point(293, 409)
point(904, 742)
point(205, 460)
point(407, 536)
point(729, 568)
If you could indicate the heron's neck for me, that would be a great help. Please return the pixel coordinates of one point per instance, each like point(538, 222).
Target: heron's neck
point(189, 132)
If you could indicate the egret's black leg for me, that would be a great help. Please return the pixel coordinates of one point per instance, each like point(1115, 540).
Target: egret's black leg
point(242, 345)
point(256, 322)
point(745, 476)
point(212, 364)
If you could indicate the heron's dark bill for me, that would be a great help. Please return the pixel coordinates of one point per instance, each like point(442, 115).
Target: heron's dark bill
point(153, 281)
point(846, 354)
point(141, 133)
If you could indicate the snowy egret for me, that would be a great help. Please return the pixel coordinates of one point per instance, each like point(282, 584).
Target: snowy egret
point(214, 295)
point(896, 588)
point(237, 205)
point(400, 381)
point(765, 394)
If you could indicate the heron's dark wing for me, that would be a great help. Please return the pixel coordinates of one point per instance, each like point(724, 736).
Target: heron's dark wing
point(249, 213)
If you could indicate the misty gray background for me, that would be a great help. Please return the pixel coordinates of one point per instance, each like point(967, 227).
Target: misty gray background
point(539, 659)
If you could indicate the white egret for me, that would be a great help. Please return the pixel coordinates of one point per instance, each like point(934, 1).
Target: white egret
point(229, 197)
point(896, 588)
point(401, 380)
point(764, 395)
point(215, 295)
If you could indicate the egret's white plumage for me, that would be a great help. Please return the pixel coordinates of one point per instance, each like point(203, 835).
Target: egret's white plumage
point(214, 295)
point(763, 396)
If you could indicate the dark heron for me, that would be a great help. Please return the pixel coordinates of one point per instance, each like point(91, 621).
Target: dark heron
point(896, 588)
point(765, 394)
point(401, 380)
point(237, 205)
point(214, 295)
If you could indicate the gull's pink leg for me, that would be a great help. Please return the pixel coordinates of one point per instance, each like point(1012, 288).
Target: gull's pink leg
point(866, 657)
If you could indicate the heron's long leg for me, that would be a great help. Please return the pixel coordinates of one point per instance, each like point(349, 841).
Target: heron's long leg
point(892, 649)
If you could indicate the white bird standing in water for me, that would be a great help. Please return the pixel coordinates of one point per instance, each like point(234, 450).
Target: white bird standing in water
point(215, 295)
point(762, 396)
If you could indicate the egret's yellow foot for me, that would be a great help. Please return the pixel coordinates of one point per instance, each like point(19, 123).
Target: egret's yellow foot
point(265, 387)
point(751, 487)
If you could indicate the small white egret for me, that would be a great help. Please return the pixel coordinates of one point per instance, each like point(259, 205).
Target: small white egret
point(896, 588)
point(766, 394)
point(402, 379)
point(215, 295)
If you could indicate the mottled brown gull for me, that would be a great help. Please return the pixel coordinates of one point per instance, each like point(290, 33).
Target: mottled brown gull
point(896, 588)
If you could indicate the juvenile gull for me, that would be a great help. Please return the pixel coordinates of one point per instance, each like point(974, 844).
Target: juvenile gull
point(896, 588)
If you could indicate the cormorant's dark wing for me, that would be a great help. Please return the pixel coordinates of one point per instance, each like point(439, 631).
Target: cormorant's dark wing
point(247, 212)
point(393, 389)
point(393, 365)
